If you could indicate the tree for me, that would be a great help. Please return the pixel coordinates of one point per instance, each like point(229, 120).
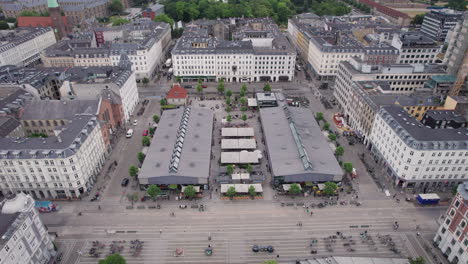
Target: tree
point(30, 13)
point(249, 168)
point(242, 93)
point(459, 5)
point(190, 192)
point(418, 260)
point(294, 189)
point(153, 191)
point(228, 101)
point(133, 171)
point(10, 20)
point(156, 118)
point(228, 93)
point(244, 87)
point(152, 130)
point(229, 118)
point(348, 167)
point(178, 78)
point(330, 188)
point(270, 262)
point(221, 86)
point(145, 81)
point(145, 141)
point(319, 116)
point(243, 108)
point(199, 88)
point(230, 169)
point(228, 109)
point(141, 157)
point(4, 25)
point(244, 118)
point(283, 13)
point(339, 151)
point(267, 88)
point(113, 259)
point(118, 21)
point(252, 191)
point(243, 100)
point(116, 7)
point(163, 101)
point(164, 18)
point(231, 192)
point(418, 19)
point(332, 137)
point(326, 126)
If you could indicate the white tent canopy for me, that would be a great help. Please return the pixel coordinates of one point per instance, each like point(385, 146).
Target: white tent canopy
point(241, 188)
point(197, 188)
point(242, 157)
point(287, 186)
point(237, 132)
point(251, 102)
point(242, 143)
point(240, 176)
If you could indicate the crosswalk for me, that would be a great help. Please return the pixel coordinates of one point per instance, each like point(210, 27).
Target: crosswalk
point(232, 239)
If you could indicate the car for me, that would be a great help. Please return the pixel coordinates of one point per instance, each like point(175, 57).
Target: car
point(188, 86)
point(204, 86)
point(135, 122)
point(145, 132)
point(129, 133)
point(125, 182)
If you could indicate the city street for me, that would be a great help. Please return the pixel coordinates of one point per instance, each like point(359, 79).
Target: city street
point(235, 226)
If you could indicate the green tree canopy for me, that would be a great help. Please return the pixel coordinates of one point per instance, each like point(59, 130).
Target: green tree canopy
point(230, 169)
point(330, 188)
point(459, 5)
point(243, 108)
point(244, 117)
point(152, 130)
point(231, 192)
point(145, 141)
point(163, 101)
point(228, 93)
point(156, 119)
point(270, 262)
point(228, 101)
point(249, 168)
point(267, 88)
point(133, 171)
point(228, 109)
point(418, 19)
point(113, 259)
point(141, 157)
point(294, 189)
point(319, 116)
point(228, 118)
point(418, 260)
point(145, 81)
point(32, 13)
point(243, 100)
point(326, 126)
point(153, 191)
point(116, 7)
point(164, 18)
point(252, 191)
point(190, 191)
point(4, 25)
point(332, 137)
point(118, 21)
point(348, 167)
point(220, 87)
point(339, 151)
point(244, 87)
point(199, 88)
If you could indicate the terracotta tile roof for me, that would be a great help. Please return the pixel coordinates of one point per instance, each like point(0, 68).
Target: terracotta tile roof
point(386, 10)
point(25, 21)
point(177, 92)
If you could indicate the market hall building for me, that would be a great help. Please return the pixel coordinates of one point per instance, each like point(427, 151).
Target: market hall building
point(180, 151)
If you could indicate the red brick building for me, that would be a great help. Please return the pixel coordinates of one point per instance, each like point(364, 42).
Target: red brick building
point(395, 16)
point(110, 113)
point(45, 22)
point(452, 237)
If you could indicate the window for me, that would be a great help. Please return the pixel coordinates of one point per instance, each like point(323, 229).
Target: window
point(452, 212)
point(447, 221)
point(463, 224)
point(453, 242)
point(457, 203)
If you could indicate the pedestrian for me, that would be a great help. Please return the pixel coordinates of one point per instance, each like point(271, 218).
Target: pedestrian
point(277, 256)
point(394, 196)
point(160, 231)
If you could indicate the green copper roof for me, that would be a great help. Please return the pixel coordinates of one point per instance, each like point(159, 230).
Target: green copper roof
point(52, 3)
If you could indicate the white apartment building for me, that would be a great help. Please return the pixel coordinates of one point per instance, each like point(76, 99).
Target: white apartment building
point(417, 156)
point(402, 79)
point(24, 238)
point(89, 57)
point(437, 23)
point(416, 48)
point(452, 235)
point(25, 46)
point(62, 166)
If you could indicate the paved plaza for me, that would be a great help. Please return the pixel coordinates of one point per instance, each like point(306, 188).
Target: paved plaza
point(235, 226)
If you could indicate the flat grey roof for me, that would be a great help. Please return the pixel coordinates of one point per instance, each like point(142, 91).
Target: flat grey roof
point(194, 155)
point(286, 129)
point(58, 109)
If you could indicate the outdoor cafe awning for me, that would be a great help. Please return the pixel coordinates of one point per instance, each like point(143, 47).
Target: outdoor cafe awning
point(240, 176)
point(197, 188)
point(287, 186)
point(241, 188)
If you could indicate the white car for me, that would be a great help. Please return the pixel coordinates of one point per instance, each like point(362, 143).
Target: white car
point(135, 122)
point(129, 133)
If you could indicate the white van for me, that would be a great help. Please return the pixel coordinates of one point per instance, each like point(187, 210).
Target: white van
point(129, 133)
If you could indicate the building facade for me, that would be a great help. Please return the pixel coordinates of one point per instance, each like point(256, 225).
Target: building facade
point(24, 238)
point(416, 156)
point(25, 47)
point(58, 167)
point(416, 48)
point(258, 52)
point(438, 23)
point(451, 237)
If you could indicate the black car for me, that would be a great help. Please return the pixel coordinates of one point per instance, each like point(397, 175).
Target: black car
point(124, 182)
point(188, 86)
